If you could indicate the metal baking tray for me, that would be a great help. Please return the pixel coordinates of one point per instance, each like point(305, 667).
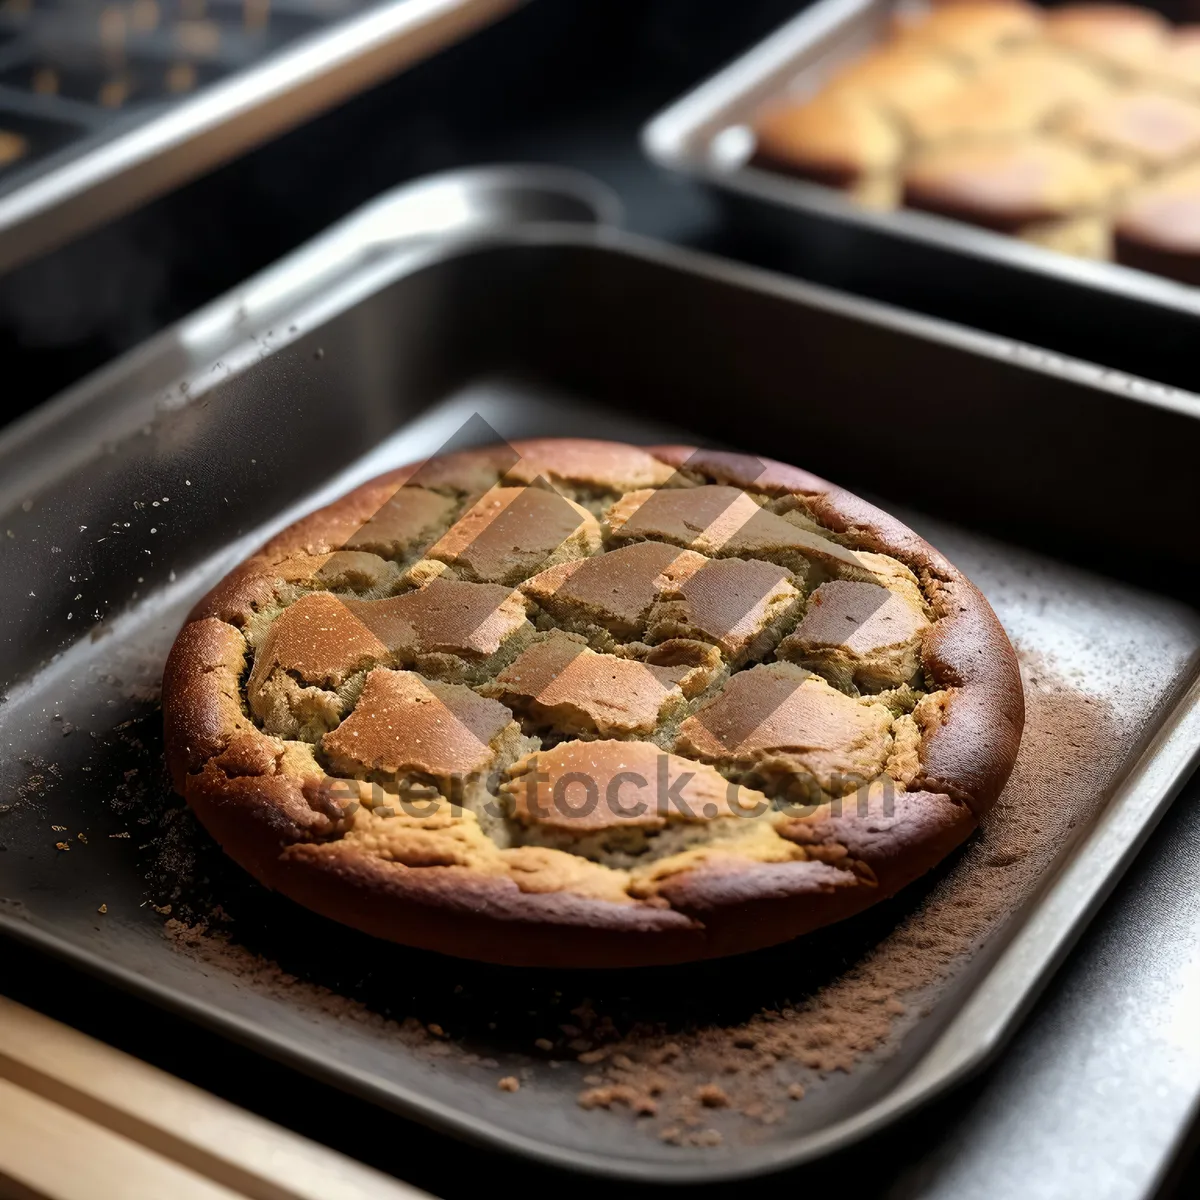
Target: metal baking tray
point(1143, 323)
point(485, 300)
point(118, 102)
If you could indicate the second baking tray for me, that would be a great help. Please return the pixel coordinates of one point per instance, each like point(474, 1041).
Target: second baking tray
point(1125, 318)
point(124, 500)
point(116, 104)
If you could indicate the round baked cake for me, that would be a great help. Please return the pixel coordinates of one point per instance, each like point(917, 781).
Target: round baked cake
point(583, 704)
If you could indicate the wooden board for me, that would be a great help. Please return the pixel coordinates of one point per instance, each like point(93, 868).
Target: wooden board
point(82, 1121)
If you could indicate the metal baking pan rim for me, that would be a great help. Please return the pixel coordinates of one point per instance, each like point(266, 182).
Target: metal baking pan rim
point(227, 118)
point(1072, 892)
point(384, 239)
point(670, 139)
point(226, 331)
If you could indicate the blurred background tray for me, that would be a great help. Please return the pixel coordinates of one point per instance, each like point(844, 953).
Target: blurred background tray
point(930, 263)
point(105, 104)
point(535, 85)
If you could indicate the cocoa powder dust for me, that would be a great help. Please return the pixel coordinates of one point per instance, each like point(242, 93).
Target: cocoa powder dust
point(692, 1055)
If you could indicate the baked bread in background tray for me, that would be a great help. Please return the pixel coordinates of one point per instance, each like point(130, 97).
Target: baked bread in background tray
point(576, 703)
point(1060, 127)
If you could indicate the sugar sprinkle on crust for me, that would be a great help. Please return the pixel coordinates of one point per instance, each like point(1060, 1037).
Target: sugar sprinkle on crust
point(702, 703)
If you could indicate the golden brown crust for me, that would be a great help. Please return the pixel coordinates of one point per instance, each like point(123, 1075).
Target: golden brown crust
point(966, 653)
point(899, 78)
point(405, 725)
point(626, 770)
point(780, 722)
point(832, 139)
point(1152, 127)
point(1008, 183)
point(861, 634)
point(878, 832)
point(456, 912)
point(511, 532)
point(1159, 230)
point(974, 30)
point(870, 848)
point(1015, 94)
point(562, 683)
point(1122, 36)
point(1180, 64)
point(276, 810)
point(615, 591)
point(586, 464)
point(201, 709)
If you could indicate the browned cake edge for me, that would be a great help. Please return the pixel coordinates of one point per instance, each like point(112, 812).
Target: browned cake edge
point(268, 819)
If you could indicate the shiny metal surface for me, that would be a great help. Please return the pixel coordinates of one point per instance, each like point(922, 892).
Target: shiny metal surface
point(312, 378)
point(123, 162)
point(170, 370)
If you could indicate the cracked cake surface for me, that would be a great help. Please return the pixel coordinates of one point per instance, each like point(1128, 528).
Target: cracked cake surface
point(579, 703)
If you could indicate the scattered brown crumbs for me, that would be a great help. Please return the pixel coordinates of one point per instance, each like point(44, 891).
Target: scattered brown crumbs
point(606, 1097)
point(62, 845)
point(1072, 746)
point(59, 828)
point(162, 909)
point(658, 1070)
point(696, 1137)
point(102, 909)
point(118, 835)
point(712, 1096)
point(82, 837)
